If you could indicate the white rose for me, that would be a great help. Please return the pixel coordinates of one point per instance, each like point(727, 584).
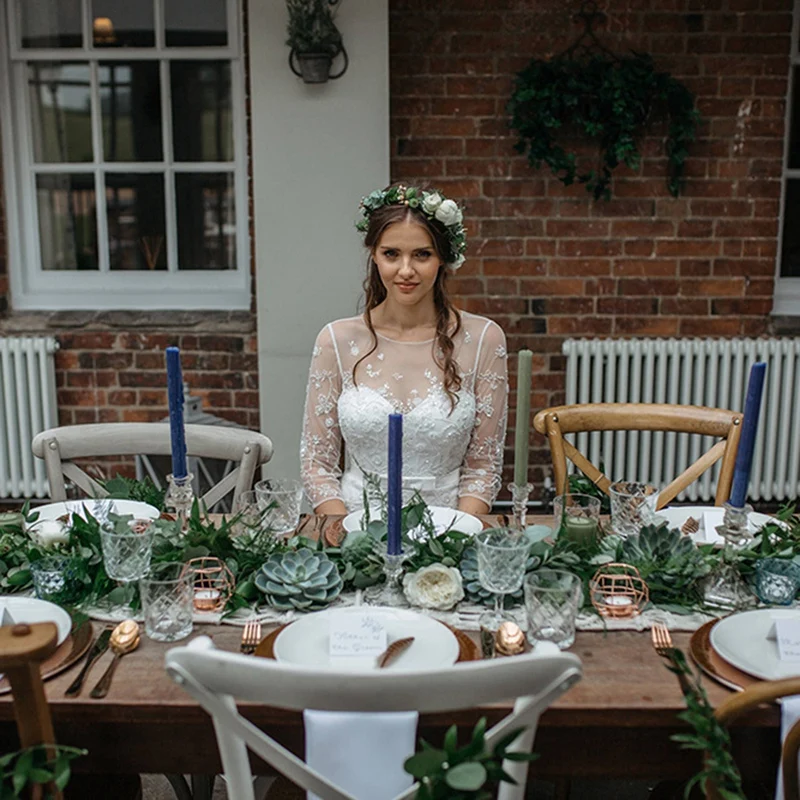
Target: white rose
point(448, 213)
point(457, 262)
point(49, 532)
point(435, 586)
point(430, 202)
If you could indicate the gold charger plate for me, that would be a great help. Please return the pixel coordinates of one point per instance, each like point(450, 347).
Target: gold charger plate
point(713, 664)
point(71, 650)
point(468, 650)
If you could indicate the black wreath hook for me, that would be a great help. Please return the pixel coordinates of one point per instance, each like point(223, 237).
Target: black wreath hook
point(587, 43)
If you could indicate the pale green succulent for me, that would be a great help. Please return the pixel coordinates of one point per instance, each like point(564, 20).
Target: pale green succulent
point(299, 579)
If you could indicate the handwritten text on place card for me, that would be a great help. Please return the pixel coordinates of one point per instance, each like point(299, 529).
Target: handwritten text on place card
point(788, 634)
point(357, 635)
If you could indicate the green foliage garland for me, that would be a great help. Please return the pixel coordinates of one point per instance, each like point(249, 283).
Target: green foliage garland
point(606, 99)
point(41, 765)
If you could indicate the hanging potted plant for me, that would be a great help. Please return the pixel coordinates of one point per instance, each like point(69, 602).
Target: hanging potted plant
point(314, 39)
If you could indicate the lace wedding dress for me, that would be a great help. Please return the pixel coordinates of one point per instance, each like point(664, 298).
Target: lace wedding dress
point(447, 452)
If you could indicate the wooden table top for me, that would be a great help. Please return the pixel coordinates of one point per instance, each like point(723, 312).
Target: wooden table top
point(627, 699)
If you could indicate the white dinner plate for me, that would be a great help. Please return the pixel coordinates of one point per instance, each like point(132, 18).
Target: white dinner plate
point(443, 519)
point(677, 515)
point(307, 640)
point(30, 610)
point(121, 507)
point(742, 640)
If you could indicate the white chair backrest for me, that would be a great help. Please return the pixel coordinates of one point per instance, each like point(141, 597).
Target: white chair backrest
point(214, 677)
point(60, 446)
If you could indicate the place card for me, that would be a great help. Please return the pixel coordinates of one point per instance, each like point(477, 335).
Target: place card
point(787, 633)
point(357, 635)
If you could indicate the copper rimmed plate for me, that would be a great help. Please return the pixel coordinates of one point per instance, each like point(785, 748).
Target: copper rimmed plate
point(713, 664)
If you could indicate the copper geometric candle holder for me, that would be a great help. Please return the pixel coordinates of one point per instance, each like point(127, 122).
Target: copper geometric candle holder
point(213, 583)
point(618, 590)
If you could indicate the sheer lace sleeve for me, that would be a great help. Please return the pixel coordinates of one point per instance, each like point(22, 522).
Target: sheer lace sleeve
point(321, 442)
point(481, 472)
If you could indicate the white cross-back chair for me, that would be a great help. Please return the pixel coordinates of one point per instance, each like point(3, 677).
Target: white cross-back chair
point(215, 677)
point(59, 447)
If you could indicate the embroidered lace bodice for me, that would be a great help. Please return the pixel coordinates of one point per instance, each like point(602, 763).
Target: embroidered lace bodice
point(447, 453)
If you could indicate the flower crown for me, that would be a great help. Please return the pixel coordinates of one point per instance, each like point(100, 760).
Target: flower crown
point(432, 204)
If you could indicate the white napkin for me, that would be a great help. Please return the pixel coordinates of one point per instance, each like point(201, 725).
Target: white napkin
point(790, 714)
point(361, 753)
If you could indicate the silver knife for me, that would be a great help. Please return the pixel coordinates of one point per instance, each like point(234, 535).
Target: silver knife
point(97, 650)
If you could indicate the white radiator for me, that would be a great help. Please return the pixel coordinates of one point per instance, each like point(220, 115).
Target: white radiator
point(27, 407)
point(703, 372)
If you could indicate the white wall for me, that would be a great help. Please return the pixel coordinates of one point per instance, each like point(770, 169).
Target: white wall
point(317, 149)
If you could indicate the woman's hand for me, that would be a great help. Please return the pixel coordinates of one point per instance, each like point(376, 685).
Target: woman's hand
point(331, 507)
point(472, 505)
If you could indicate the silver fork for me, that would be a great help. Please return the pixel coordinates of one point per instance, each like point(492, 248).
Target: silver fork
point(251, 637)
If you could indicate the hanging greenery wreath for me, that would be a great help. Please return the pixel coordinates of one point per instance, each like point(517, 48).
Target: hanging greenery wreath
point(607, 99)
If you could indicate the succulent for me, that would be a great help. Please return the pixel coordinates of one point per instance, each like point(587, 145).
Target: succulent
point(668, 561)
point(299, 579)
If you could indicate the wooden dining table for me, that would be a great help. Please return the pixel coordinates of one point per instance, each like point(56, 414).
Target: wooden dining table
point(615, 723)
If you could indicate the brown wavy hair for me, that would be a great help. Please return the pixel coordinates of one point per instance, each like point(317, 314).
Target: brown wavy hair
point(446, 312)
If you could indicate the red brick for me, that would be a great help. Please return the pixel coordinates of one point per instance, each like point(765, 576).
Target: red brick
point(646, 326)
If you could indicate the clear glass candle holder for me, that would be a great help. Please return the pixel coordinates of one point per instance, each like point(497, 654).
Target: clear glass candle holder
point(577, 517)
point(633, 505)
point(389, 593)
point(777, 581)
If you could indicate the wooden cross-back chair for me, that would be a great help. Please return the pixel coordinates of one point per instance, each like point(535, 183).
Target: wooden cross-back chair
point(59, 447)
point(555, 422)
point(22, 650)
point(752, 697)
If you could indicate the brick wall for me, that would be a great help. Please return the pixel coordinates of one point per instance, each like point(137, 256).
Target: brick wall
point(546, 261)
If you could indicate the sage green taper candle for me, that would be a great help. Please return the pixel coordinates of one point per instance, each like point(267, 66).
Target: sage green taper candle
point(524, 369)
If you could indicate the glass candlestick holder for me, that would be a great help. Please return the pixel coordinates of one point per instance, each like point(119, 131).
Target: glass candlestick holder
point(389, 593)
point(519, 504)
point(724, 587)
point(180, 496)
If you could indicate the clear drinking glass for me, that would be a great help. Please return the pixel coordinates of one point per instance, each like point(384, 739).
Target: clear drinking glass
point(633, 505)
point(552, 597)
point(57, 579)
point(577, 517)
point(127, 554)
point(247, 510)
point(502, 557)
point(280, 501)
point(167, 593)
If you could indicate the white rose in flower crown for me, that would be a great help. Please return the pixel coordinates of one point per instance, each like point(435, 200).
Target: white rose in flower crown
point(457, 262)
point(434, 586)
point(449, 213)
point(49, 532)
point(430, 202)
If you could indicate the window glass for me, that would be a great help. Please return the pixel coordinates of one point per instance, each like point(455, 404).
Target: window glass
point(202, 128)
point(790, 248)
point(130, 103)
point(192, 24)
point(123, 23)
point(206, 220)
point(67, 221)
point(50, 23)
point(60, 107)
point(136, 221)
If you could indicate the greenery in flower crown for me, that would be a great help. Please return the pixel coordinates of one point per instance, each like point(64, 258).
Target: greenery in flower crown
point(433, 204)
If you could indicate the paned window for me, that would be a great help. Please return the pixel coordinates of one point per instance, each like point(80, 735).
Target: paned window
point(787, 282)
point(124, 154)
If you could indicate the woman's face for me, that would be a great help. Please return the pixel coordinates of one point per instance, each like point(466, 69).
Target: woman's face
point(407, 262)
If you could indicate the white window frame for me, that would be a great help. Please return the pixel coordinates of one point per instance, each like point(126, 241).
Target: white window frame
point(786, 300)
point(33, 288)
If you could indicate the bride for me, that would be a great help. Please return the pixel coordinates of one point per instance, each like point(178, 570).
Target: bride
point(412, 352)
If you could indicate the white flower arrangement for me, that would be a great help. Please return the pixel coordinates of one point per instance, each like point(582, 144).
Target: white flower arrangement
point(435, 586)
point(433, 204)
point(49, 532)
